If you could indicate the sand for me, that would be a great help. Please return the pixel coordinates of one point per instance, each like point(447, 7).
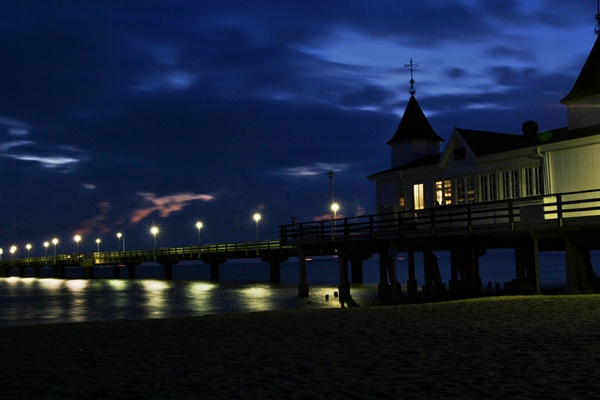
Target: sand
point(538, 347)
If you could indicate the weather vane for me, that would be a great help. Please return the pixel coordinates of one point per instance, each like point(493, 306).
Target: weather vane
point(412, 89)
point(597, 28)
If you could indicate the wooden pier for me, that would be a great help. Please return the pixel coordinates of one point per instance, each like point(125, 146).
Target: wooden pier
point(568, 222)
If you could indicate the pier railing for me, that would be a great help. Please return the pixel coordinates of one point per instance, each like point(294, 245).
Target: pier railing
point(252, 249)
point(530, 213)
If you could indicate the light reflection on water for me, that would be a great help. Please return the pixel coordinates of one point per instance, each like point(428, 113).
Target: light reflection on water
point(30, 301)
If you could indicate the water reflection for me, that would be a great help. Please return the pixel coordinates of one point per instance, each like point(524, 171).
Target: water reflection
point(154, 292)
point(256, 298)
point(201, 296)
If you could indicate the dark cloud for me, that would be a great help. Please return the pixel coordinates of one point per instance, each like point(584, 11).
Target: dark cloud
point(117, 115)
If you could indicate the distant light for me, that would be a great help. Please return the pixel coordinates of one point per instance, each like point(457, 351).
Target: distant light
point(77, 238)
point(119, 235)
point(154, 230)
point(13, 249)
point(46, 244)
point(199, 225)
point(55, 241)
point(98, 241)
point(256, 217)
point(335, 207)
point(28, 246)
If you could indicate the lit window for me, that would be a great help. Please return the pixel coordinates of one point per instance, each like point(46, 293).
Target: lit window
point(465, 190)
point(419, 196)
point(443, 192)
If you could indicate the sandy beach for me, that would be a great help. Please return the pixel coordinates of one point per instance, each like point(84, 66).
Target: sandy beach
point(538, 347)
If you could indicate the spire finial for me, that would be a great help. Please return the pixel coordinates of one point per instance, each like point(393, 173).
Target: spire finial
point(412, 89)
point(597, 28)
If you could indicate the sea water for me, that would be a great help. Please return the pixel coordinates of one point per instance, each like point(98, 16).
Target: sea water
point(243, 287)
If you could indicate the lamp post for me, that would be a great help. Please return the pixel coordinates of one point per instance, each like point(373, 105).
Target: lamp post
point(55, 242)
point(46, 244)
point(199, 226)
point(13, 250)
point(154, 232)
point(120, 236)
point(335, 207)
point(330, 174)
point(98, 244)
point(77, 239)
point(28, 247)
point(256, 218)
point(1, 251)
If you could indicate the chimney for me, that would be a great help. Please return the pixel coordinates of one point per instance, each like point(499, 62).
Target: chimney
point(530, 129)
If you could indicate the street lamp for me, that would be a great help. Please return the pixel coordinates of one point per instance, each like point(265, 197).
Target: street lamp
point(28, 247)
point(199, 225)
point(154, 232)
point(256, 217)
point(46, 244)
point(98, 243)
point(120, 236)
point(77, 239)
point(335, 207)
point(1, 251)
point(55, 242)
point(13, 250)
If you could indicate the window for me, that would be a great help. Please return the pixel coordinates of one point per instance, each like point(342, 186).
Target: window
point(419, 196)
point(533, 181)
point(510, 184)
point(443, 192)
point(465, 189)
point(487, 187)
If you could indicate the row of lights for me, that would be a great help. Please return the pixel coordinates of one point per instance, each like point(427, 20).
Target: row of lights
point(77, 238)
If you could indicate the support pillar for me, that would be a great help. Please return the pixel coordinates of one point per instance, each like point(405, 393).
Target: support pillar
point(344, 288)
point(116, 271)
point(580, 274)
point(412, 281)
point(396, 292)
point(38, 272)
point(465, 279)
point(214, 260)
point(527, 266)
point(383, 288)
point(22, 272)
point(302, 284)
point(434, 287)
point(274, 261)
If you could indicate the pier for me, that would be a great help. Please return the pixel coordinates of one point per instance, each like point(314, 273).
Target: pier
point(568, 222)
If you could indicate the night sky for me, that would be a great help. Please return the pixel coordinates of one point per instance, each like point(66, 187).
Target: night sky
point(115, 116)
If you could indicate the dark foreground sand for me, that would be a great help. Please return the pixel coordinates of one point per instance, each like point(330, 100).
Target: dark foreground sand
point(542, 347)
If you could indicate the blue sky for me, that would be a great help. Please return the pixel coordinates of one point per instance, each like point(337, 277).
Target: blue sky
point(116, 116)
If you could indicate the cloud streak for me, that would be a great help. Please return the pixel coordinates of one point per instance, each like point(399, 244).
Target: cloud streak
point(166, 205)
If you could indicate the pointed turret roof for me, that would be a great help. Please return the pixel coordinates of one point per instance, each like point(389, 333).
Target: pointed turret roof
point(588, 82)
point(414, 125)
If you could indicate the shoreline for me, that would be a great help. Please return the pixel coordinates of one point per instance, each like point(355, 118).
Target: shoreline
point(493, 347)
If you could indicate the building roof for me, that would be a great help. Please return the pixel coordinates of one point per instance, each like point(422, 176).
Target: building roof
point(414, 125)
point(588, 82)
point(484, 143)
